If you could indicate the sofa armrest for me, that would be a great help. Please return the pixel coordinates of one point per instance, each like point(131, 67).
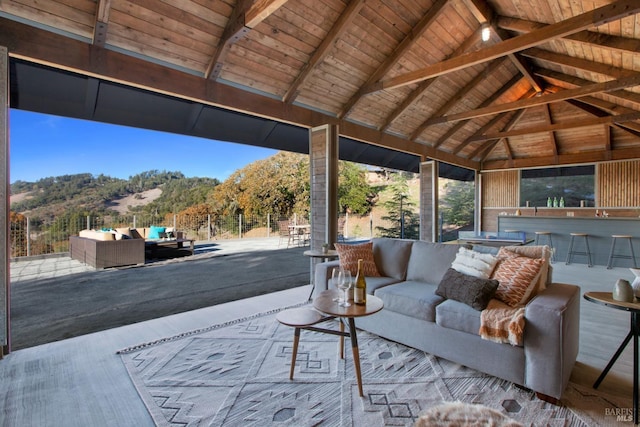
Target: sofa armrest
point(322, 275)
point(551, 338)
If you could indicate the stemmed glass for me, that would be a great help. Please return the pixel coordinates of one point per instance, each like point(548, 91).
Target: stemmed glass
point(344, 283)
point(336, 275)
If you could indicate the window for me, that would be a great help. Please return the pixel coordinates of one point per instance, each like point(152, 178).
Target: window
point(574, 184)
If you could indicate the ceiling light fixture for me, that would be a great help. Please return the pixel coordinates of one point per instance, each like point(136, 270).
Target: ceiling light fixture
point(486, 32)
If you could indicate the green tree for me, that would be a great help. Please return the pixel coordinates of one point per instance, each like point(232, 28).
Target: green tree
point(401, 213)
point(458, 203)
point(355, 195)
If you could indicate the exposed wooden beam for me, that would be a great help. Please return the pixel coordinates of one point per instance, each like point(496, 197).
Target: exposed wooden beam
point(574, 82)
point(602, 15)
point(552, 136)
point(261, 10)
point(489, 147)
point(451, 102)
point(561, 126)
point(485, 15)
point(541, 100)
point(515, 118)
point(424, 86)
point(579, 63)
point(600, 108)
point(459, 125)
point(491, 123)
point(101, 24)
point(46, 48)
point(245, 16)
point(563, 159)
point(622, 44)
point(341, 25)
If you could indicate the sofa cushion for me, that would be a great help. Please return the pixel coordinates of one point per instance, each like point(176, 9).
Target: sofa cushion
point(429, 261)
point(474, 263)
point(125, 231)
point(349, 255)
point(392, 256)
point(459, 316)
point(518, 277)
point(154, 232)
point(540, 251)
point(473, 291)
point(415, 299)
point(98, 235)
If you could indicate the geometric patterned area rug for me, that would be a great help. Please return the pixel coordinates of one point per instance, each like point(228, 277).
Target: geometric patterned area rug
point(237, 374)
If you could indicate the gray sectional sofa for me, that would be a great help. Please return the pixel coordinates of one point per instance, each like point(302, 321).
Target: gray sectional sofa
point(415, 316)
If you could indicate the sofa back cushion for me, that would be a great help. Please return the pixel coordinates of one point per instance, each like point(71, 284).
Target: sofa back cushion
point(430, 261)
point(392, 256)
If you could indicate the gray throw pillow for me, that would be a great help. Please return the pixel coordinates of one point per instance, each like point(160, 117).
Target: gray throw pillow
point(473, 291)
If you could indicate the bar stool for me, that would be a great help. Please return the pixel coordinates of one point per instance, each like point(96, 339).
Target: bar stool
point(571, 252)
point(547, 234)
point(614, 237)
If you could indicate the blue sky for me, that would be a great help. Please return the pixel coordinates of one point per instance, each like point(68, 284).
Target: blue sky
point(44, 146)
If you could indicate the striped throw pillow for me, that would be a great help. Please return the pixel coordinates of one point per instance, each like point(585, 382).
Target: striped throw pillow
point(518, 277)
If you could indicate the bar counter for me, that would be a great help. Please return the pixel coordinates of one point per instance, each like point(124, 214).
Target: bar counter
point(599, 229)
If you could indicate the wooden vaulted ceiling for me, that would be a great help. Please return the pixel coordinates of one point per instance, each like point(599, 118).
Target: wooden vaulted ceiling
point(558, 82)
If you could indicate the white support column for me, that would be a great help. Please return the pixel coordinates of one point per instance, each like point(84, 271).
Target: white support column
point(5, 251)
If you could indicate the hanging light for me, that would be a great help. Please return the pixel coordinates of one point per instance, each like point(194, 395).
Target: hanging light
point(486, 32)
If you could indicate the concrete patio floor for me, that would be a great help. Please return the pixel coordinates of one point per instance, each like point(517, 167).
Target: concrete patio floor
point(55, 298)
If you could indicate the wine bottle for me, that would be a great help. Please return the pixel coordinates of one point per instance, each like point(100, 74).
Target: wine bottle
point(360, 290)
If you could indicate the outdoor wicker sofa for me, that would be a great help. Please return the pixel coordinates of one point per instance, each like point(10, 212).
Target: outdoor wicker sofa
point(101, 249)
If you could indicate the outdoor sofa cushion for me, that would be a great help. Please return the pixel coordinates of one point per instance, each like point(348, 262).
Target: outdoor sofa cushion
point(392, 256)
point(429, 261)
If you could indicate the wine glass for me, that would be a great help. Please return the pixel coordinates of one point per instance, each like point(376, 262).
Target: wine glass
point(344, 283)
point(335, 279)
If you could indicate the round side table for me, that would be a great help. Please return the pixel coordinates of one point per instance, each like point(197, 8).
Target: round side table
point(606, 299)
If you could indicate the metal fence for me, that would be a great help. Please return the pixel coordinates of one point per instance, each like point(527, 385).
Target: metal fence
point(30, 237)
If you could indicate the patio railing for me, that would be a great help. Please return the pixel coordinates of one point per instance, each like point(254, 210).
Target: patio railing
point(30, 237)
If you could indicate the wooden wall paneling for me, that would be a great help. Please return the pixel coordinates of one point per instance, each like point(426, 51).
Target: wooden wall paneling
point(618, 184)
point(501, 189)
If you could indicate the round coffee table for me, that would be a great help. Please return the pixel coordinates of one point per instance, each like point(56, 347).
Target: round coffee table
point(325, 303)
point(606, 299)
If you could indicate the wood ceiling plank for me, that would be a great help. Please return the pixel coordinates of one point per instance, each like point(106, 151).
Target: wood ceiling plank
point(460, 94)
point(617, 10)
point(424, 86)
point(400, 50)
point(341, 25)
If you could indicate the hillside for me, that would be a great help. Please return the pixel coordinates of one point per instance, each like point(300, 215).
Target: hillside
point(159, 191)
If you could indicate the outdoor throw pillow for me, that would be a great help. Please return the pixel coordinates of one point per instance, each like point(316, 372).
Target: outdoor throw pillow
point(474, 263)
point(473, 291)
point(350, 254)
point(154, 232)
point(518, 277)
